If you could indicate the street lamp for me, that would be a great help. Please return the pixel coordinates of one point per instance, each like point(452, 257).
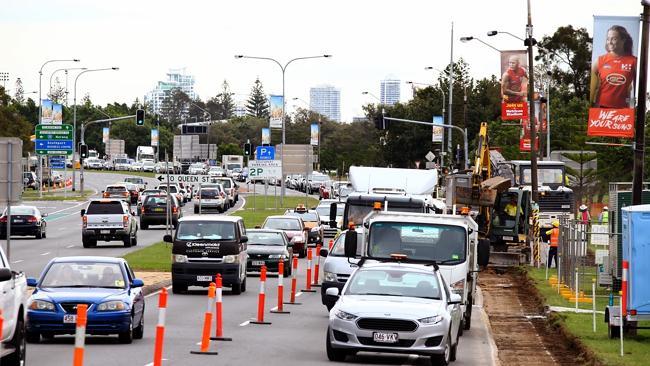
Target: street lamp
point(66, 73)
point(284, 69)
point(372, 95)
point(74, 119)
point(472, 38)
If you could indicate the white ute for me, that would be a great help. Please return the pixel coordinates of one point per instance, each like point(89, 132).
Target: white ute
point(13, 286)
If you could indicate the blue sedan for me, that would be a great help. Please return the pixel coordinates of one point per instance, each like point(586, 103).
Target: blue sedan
point(107, 285)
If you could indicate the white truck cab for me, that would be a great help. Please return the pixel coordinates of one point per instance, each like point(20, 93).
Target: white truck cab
point(13, 298)
point(449, 240)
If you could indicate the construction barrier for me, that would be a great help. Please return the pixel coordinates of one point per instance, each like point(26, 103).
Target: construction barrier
point(626, 267)
point(207, 321)
point(331, 245)
point(280, 309)
point(294, 282)
point(317, 267)
point(261, 298)
point(219, 313)
point(160, 328)
point(308, 279)
point(80, 335)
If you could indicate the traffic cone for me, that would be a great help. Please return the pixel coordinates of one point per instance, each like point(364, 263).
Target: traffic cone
point(160, 328)
point(80, 335)
point(294, 282)
point(219, 313)
point(261, 298)
point(317, 267)
point(207, 320)
point(308, 279)
point(279, 309)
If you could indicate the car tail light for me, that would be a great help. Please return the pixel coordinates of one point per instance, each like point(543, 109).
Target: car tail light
point(142, 209)
point(222, 195)
point(32, 219)
point(84, 220)
point(125, 194)
point(174, 209)
point(633, 312)
point(105, 195)
point(3, 219)
point(125, 220)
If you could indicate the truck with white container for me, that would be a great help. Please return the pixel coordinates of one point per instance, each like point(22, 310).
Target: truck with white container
point(145, 152)
point(13, 302)
point(232, 162)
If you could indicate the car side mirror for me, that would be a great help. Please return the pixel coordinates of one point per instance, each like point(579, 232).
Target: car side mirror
point(323, 252)
point(351, 243)
point(333, 224)
point(333, 211)
point(137, 283)
point(454, 298)
point(5, 274)
point(332, 291)
point(244, 239)
point(83, 212)
point(31, 281)
point(167, 238)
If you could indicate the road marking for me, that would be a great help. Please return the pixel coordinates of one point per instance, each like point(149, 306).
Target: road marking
point(18, 261)
point(245, 323)
point(151, 363)
point(70, 246)
point(299, 293)
point(157, 292)
point(274, 309)
point(46, 253)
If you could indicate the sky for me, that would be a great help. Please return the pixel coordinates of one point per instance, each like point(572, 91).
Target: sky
point(369, 41)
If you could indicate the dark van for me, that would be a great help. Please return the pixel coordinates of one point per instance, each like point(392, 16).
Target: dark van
point(207, 245)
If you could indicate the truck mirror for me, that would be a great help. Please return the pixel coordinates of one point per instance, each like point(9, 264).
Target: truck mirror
point(5, 274)
point(483, 252)
point(333, 224)
point(351, 243)
point(167, 238)
point(83, 212)
point(333, 212)
point(244, 239)
point(323, 252)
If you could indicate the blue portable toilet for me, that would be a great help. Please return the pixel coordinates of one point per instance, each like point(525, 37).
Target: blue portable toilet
point(635, 222)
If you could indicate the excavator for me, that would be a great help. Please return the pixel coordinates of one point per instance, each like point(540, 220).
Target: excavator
point(487, 189)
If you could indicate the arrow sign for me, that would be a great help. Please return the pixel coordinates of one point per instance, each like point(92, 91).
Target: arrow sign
point(54, 144)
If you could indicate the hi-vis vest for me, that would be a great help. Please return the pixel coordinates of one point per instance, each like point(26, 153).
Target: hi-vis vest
point(555, 235)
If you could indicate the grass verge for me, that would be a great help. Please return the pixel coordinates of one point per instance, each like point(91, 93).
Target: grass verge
point(259, 207)
point(606, 350)
point(125, 172)
point(156, 258)
point(57, 196)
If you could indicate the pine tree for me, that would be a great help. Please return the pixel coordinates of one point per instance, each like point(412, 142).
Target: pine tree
point(225, 102)
point(57, 93)
point(258, 105)
point(20, 92)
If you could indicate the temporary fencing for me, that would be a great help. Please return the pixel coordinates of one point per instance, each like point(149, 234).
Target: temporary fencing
point(207, 321)
point(80, 335)
point(294, 282)
point(160, 328)
point(280, 308)
point(261, 298)
point(219, 312)
point(308, 279)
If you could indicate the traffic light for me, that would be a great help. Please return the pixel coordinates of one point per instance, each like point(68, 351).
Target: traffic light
point(247, 149)
point(83, 151)
point(139, 117)
point(380, 122)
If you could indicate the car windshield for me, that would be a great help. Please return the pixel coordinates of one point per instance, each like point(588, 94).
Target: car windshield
point(134, 180)
point(394, 282)
point(120, 161)
point(545, 175)
point(224, 182)
point(151, 191)
point(206, 230)
point(209, 193)
point(115, 189)
point(105, 208)
point(339, 245)
point(306, 216)
point(84, 274)
point(156, 200)
point(324, 211)
point(20, 210)
point(172, 189)
point(265, 238)
point(282, 224)
point(319, 178)
point(434, 242)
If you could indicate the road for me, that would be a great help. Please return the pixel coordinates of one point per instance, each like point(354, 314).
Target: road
point(296, 338)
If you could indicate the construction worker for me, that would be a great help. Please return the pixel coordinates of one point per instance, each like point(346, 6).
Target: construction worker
point(584, 216)
point(554, 234)
point(603, 218)
point(511, 207)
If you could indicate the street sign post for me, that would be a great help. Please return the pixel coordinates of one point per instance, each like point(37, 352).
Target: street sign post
point(265, 169)
point(183, 178)
point(11, 178)
point(265, 153)
point(53, 139)
point(57, 162)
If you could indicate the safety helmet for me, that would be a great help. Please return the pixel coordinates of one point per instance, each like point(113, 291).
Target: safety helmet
point(605, 208)
point(583, 208)
point(556, 223)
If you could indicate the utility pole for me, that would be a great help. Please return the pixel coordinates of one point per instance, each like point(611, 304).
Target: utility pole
point(529, 42)
point(639, 127)
point(451, 91)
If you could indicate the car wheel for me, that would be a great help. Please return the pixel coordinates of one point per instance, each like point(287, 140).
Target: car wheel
point(196, 209)
point(178, 288)
point(467, 321)
point(243, 285)
point(220, 209)
point(127, 241)
point(18, 342)
point(333, 354)
point(134, 242)
point(236, 288)
point(39, 234)
point(45, 232)
point(138, 332)
point(33, 337)
point(89, 243)
point(454, 348)
point(443, 358)
point(144, 225)
point(127, 337)
point(287, 269)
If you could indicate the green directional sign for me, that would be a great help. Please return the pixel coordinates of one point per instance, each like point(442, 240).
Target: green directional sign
point(54, 132)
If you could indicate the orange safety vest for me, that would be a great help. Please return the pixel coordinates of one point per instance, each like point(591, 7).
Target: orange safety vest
point(555, 236)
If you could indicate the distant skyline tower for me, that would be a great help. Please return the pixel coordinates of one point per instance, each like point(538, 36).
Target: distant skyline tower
point(389, 92)
point(176, 79)
point(326, 100)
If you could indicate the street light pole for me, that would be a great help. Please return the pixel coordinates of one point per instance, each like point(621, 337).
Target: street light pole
point(639, 139)
point(451, 91)
point(372, 95)
point(74, 121)
point(531, 115)
point(66, 73)
point(284, 102)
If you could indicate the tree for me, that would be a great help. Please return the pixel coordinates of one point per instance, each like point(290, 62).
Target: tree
point(12, 123)
point(175, 106)
point(582, 180)
point(258, 105)
point(20, 92)
point(226, 103)
point(568, 51)
point(57, 93)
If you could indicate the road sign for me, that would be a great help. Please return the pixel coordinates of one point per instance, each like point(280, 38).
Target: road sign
point(265, 169)
point(184, 178)
point(54, 145)
point(57, 162)
point(54, 132)
point(265, 153)
point(11, 175)
point(430, 156)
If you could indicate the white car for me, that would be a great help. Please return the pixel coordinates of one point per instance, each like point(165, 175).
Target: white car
point(13, 302)
point(211, 198)
point(395, 307)
point(197, 168)
point(136, 166)
point(93, 163)
point(148, 165)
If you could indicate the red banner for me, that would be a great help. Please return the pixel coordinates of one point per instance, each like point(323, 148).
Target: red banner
point(611, 122)
point(514, 110)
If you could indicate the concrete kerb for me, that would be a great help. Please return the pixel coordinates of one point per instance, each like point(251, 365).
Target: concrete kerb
point(494, 351)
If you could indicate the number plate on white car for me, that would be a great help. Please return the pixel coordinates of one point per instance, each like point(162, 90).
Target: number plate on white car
point(104, 231)
point(204, 278)
point(69, 318)
point(384, 337)
point(257, 263)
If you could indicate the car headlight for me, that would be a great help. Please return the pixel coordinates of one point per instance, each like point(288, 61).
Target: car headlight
point(231, 259)
point(298, 239)
point(458, 287)
point(276, 256)
point(179, 258)
point(41, 305)
point(431, 320)
point(345, 316)
point(114, 305)
point(315, 229)
point(330, 276)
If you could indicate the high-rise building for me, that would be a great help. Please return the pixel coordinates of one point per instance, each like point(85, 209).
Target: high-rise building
point(326, 100)
point(176, 79)
point(389, 91)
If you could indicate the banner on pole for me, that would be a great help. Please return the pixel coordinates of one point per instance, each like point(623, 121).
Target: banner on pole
point(276, 102)
point(314, 134)
point(105, 135)
point(46, 112)
point(154, 137)
point(611, 122)
point(437, 133)
point(266, 136)
point(514, 85)
point(57, 114)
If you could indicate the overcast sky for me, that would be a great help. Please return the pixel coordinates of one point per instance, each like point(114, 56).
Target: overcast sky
point(369, 40)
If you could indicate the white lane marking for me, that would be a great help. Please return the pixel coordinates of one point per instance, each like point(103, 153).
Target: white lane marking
point(299, 293)
point(18, 261)
point(46, 253)
point(245, 323)
point(274, 309)
point(68, 208)
point(70, 246)
point(151, 363)
point(157, 292)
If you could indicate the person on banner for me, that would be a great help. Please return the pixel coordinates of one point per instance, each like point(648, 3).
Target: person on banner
point(554, 234)
point(613, 74)
point(603, 218)
point(514, 82)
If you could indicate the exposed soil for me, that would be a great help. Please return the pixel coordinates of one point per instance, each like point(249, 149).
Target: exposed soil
point(521, 330)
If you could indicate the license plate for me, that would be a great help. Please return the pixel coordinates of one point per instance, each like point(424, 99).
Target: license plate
point(204, 278)
point(508, 238)
point(17, 221)
point(69, 318)
point(258, 263)
point(158, 210)
point(104, 231)
point(384, 337)
point(208, 201)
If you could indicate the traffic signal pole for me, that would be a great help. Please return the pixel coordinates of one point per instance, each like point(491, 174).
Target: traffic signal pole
point(639, 140)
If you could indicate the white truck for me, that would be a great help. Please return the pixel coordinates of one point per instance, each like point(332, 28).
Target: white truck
point(145, 152)
point(13, 302)
point(449, 240)
point(230, 162)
